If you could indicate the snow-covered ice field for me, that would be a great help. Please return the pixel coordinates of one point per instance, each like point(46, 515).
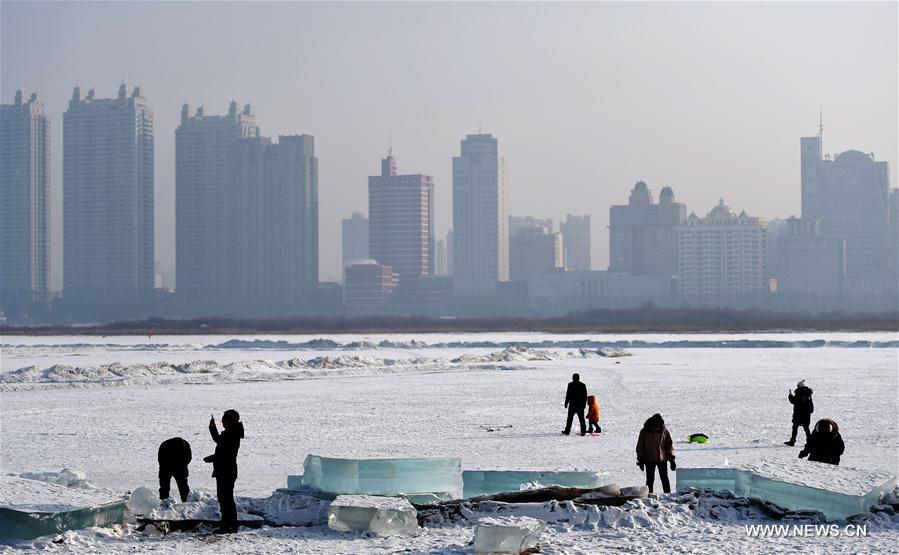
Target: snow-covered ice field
point(417, 395)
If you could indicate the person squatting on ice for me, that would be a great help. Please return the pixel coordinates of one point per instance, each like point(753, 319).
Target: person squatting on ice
point(593, 415)
point(224, 465)
point(825, 444)
point(174, 456)
point(803, 407)
point(575, 402)
point(654, 449)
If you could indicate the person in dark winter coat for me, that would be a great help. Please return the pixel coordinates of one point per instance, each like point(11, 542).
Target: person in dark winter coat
point(174, 455)
point(803, 407)
point(576, 402)
point(825, 444)
point(654, 450)
point(224, 465)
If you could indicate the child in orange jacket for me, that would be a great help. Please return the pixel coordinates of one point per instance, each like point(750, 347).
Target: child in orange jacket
point(593, 415)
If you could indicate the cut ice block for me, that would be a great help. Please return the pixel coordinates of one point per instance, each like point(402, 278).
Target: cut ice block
point(507, 534)
point(486, 482)
point(30, 509)
point(384, 516)
point(835, 491)
point(142, 501)
point(410, 476)
point(295, 484)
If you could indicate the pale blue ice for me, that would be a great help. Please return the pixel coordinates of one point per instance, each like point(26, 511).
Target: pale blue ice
point(407, 476)
point(839, 492)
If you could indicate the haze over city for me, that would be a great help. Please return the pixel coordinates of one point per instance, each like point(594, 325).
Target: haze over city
point(585, 99)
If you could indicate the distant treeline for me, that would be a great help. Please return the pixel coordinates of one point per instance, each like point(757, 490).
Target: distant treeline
point(595, 321)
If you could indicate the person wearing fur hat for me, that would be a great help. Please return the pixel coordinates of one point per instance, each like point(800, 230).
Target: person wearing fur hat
point(825, 444)
point(803, 407)
point(224, 465)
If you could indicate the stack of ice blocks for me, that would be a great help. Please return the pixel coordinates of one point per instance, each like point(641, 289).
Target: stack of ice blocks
point(420, 479)
point(486, 482)
point(835, 491)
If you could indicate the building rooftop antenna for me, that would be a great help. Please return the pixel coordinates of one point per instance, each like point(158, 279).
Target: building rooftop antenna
point(820, 123)
point(390, 142)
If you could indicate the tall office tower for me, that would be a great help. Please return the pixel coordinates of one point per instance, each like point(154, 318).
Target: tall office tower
point(894, 231)
point(205, 163)
point(24, 204)
point(576, 234)
point(401, 220)
point(721, 258)
point(108, 197)
point(354, 240)
point(440, 258)
point(449, 253)
point(480, 239)
point(517, 223)
point(642, 234)
point(277, 222)
point(534, 251)
point(849, 193)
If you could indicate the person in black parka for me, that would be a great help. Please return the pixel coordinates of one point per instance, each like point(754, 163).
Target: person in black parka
point(174, 455)
point(576, 402)
point(825, 444)
point(224, 465)
point(803, 407)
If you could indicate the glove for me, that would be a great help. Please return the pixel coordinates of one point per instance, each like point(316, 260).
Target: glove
point(209, 459)
point(673, 465)
point(641, 465)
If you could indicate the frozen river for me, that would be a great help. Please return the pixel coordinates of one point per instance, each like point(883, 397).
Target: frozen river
point(111, 425)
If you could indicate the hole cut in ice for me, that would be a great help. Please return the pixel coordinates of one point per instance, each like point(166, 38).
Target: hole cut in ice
point(487, 482)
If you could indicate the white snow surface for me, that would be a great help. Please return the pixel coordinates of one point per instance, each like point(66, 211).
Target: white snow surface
point(434, 407)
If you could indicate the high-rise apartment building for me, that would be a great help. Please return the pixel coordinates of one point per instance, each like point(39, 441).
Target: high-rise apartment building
point(480, 239)
point(354, 240)
point(576, 236)
point(24, 204)
point(721, 258)
point(205, 208)
point(849, 193)
point(517, 223)
point(642, 234)
point(108, 197)
point(532, 250)
point(276, 223)
point(449, 253)
point(440, 258)
point(401, 220)
point(811, 269)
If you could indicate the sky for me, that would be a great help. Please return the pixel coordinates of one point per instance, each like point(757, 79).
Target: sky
point(585, 98)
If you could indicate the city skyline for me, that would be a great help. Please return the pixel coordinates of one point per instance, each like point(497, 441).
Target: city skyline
point(707, 130)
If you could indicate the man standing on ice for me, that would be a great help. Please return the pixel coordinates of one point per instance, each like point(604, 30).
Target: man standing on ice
point(173, 456)
point(224, 465)
point(575, 402)
point(803, 407)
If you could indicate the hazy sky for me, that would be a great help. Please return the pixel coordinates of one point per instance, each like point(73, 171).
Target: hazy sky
point(585, 98)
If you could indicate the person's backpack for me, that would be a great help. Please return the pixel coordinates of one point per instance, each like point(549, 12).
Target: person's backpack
point(805, 404)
